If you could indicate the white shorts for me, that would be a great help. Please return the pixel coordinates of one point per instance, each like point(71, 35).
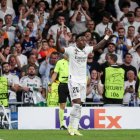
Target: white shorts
point(77, 90)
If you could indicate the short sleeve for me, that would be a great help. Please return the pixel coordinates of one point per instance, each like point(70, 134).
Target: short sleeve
point(56, 69)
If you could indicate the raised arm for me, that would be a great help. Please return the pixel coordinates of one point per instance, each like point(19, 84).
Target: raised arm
point(58, 47)
point(101, 44)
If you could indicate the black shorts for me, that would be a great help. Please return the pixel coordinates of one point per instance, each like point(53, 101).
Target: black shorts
point(63, 92)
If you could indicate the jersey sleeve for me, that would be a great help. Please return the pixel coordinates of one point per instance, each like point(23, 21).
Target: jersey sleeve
point(56, 69)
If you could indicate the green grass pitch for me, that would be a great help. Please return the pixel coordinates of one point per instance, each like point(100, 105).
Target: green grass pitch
point(63, 135)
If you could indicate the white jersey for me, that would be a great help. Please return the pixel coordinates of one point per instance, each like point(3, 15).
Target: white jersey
point(33, 84)
point(13, 79)
point(78, 63)
point(22, 59)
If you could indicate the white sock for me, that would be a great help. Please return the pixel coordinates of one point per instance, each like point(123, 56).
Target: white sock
point(75, 116)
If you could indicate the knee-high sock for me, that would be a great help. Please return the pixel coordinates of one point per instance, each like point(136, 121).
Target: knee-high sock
point(75, 116)
point(61, 117)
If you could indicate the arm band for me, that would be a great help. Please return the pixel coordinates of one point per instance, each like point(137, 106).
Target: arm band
point(106, 37)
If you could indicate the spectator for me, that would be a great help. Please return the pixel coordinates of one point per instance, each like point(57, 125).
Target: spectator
point(31, 86)
point(102, 6)
point(32, 60)
point(135, 52)
point(137, 14)
point(137, 37)
point(18, 51)
point(78, 20)
point(111, 47)
point(45, 50)
point(4, 10)
point(21, 15)
point(127, 65)
point(92, 64)
point(95, 88)
point(45, 30)
point(15, 67)
point(9, 29)
point(52, 33)
point(130, 21)
point(64, 37)
point(3, 38)
point(51, 43)
point(42, 14)
point(122, 43)
point(91, 28)
point(89, 37)
point(131, 34)
point(75, 4)
point(4, 52)
point(104, 24)
point(115, 27)
point(60, 8)
point(129, 86)
point(28, 43)
point(121, 10)
point(133, 4)
point(47, 64)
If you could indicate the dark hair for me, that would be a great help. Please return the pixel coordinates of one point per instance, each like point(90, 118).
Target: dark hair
point(114, 25)
point(4, 63)
point(110, 43)
point(46, 4)
point(31, 66)
point(106, 14)
point(130, 14)
point(127, 54)
point(80, 35)
point(121, 28)
point(131, 27)
point(113, 57)
point(17, 43)
point(54, 53)
point(31, 55)
point(124, 5)
point(136, 9)
point(1, 20)
point(7, 16)
point(61, 15)
point(31, 17)
point(50, 39)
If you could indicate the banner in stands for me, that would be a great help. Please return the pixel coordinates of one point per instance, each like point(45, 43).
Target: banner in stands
point(92, 118)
